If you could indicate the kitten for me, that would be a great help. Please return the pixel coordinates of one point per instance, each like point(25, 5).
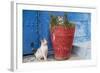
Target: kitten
point(42, 52)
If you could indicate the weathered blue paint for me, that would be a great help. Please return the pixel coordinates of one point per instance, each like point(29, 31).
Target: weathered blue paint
point(83, 26)
point(36, 26)
point(30, 31)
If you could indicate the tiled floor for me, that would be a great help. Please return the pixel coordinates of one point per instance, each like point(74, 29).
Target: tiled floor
point(79, 52)
point(31, 58)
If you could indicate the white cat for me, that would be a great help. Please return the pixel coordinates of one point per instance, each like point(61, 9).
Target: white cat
point(42, 52)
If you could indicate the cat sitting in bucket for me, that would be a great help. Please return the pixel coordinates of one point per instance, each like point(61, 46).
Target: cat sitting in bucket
point(42, 52)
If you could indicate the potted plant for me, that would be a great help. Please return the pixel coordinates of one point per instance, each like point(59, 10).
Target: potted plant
point(62, 34)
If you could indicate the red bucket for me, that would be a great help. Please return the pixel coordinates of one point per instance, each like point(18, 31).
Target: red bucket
point(62, 39)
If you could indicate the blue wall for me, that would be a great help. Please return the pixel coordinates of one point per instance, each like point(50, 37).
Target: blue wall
point(36, 26)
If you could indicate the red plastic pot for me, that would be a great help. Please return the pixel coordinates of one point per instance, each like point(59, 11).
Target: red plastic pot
point(62, 39)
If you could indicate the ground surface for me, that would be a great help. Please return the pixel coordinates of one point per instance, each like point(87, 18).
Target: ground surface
point(79, 52)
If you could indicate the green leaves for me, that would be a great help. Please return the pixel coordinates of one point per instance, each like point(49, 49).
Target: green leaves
point(53, 20)
point(66, 23)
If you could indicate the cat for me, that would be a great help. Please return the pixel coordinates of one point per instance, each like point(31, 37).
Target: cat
point(42, 52)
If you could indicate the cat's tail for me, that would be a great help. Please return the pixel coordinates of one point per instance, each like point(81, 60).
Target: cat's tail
point(34, 50)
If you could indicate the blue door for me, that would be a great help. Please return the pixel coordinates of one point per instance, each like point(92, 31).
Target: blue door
point(30, 33)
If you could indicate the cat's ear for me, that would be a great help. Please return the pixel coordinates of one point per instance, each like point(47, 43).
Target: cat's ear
point(45, 41)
